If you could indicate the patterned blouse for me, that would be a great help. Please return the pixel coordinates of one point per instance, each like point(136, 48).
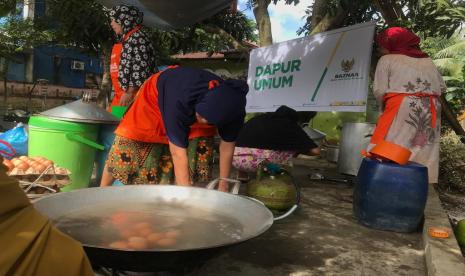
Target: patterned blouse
point(412, 126)
point(137, 61)
point(137, 57)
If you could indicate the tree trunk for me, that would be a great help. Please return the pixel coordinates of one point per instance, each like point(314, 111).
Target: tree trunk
point(233, 7)
point(237, 45)
point(329, 21)
point(262, 17)
point(318, 12)
point(4, 73)
point(105, 87)
point(451, 119)
point(390, 11)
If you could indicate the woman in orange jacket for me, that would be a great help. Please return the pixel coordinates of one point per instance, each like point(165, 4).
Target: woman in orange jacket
point(177, 111)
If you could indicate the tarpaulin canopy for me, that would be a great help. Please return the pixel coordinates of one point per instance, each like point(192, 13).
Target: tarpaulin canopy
point(173, 14)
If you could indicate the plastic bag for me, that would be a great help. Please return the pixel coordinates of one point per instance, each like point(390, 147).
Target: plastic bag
point(14, 142)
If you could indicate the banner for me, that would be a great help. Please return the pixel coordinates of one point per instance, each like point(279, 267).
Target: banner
point(324, 72)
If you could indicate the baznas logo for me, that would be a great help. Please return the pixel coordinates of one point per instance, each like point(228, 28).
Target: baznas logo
point(347, 65)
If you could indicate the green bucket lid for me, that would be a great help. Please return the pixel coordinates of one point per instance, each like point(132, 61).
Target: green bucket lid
point(47, 123)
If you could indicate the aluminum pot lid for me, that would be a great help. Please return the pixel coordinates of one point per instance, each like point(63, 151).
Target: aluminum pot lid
point(80, 111)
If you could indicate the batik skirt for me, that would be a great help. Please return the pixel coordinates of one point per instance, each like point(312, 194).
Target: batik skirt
point(133, 162)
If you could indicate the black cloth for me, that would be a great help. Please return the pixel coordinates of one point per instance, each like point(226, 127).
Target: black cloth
point(278, 130)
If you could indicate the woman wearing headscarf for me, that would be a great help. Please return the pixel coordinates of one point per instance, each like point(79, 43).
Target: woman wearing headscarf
point(274, 137)
point(408, 86)
point(132, 58)
point(177, 111)
point(30, 244)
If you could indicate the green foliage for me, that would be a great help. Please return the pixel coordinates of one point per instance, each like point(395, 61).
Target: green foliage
point(18, 35)
point(449, 56)
point(250, 3)
point(7, 6)
point(79, 23)
point(429, 17)
point(212, 35)
point(237, 25)
point(435, 17)
point(451, 163)
point(85, 23)
point(357, 12)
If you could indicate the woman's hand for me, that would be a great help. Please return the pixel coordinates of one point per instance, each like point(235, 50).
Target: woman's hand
point(181, 164)
point(128, 96)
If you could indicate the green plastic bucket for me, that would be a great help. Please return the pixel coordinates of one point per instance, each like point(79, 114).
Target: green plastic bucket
point(70, 145)
point(118, 111)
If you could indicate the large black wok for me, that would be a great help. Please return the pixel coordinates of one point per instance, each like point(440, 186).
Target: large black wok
point(252, 217)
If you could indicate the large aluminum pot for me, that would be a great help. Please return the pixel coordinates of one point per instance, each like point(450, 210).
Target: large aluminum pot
point(206, 221)
point(355, 138)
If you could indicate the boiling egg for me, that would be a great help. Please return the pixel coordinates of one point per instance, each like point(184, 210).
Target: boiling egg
point(154, 238)
point(119, 245)
point(166, 242)
point(172, 234)
point(127, 233)
point(137, 243)
point(144, 232)
point(142, 225)
point(119, 218)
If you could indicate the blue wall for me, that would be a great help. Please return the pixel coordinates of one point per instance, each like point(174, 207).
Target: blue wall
point(54, 64)
point(16, 71)
point(45, 58)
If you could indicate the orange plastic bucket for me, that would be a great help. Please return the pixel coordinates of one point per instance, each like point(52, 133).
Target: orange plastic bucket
point(392, 152)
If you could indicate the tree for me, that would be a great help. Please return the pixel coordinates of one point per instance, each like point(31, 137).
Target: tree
point(262, 17)
point(325, 15)
point(449, 56)
point(450, 59)
point(85, 24)
point(223, 31)
point(427, 17)
point(17, 35)
point(7, 6)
